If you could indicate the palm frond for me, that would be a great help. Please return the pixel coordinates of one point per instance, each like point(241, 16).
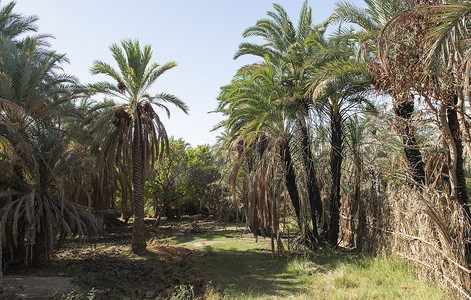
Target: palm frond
point(169, 98)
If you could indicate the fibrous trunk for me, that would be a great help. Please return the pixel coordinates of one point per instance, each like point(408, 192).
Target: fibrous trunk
point(42, 248)
point(460, 191)
point(290, 179)
point(138, 243)
point(415, 164)
point(1, 261)
point(336, 167)
point(358, 210)
point(313, 191)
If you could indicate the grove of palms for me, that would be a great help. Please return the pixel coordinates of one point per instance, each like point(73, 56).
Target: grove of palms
point(346, 133)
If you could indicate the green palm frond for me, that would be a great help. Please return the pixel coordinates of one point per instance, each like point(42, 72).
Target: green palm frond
point(350, 13)
point(305, 22)
point(100, 67)
point(12, 24)
point(251, 49)
point(155, 72)
point(169, 98)
point(451, 28)
point(121, 60)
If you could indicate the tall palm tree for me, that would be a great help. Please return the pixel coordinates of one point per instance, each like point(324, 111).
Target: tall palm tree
point(138, 135)
point(12, 25)
point(442, 52)
point(371, 20)
point(450, 50)
point(286, 47)
point(261, 132)
point(337, 82)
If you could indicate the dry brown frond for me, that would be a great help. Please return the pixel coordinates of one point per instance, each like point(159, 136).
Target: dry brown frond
point(427, 228)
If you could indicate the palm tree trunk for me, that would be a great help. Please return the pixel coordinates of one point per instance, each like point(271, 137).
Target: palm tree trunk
point(1, 257)
point(314, 194)
point(138, 243)
point(415, 164)
point(357, 209)
point(42, 248)
point(460, 192)
point(336, 169)
point(290, 179)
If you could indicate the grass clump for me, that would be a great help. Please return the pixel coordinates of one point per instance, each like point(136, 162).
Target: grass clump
point(73, 295)
point(365, 277)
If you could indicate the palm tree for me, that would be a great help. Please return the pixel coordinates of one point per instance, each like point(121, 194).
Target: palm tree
point(138, 135)
point(286, 47)
point(32, 98)
point(441, 54)
point(260, 132)
point(337, 82)
point(372, 20)
point(450, 49)
point(100, 177)
point(12, 25)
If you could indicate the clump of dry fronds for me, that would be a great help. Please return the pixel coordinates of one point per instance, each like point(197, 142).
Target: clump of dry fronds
point(427, 228)
point(260, 189)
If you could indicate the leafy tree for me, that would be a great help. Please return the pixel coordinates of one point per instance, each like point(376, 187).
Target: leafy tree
point(137, 134)
point(201, 175)
point(181, 182)
point(167, 185)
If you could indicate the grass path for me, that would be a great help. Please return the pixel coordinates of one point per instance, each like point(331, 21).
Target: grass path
point(241, 268)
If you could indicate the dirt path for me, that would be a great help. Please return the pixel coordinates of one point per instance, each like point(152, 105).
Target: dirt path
point(33, 287)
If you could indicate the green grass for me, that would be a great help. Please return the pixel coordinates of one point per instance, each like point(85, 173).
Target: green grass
point(240, 268)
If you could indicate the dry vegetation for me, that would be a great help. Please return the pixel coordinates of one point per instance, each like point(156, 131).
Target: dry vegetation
point(427, 229)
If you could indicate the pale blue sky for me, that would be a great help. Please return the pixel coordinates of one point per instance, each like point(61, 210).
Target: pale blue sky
point(200, 35)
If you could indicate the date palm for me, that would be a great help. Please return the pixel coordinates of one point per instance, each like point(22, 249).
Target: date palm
point(36, 205)
point(337, 82)
point(285, 44)
point(443, 63)
point(136, 134)
point(261, 132)
point(372, 20)
point(450, 53)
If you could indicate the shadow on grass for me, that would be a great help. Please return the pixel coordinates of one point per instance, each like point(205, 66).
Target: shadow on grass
point(238, 273)
point(207, 236)
point(254, 273)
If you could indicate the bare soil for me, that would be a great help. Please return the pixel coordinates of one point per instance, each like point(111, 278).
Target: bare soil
point(34, 287)
point(105, 264)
